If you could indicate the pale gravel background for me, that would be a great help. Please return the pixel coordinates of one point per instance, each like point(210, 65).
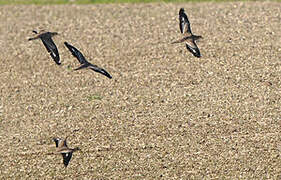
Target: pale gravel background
point(164, 114)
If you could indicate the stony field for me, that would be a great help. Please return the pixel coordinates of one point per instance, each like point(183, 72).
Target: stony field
point(165, 114)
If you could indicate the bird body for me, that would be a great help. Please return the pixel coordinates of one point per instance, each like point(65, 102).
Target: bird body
point(46, 38)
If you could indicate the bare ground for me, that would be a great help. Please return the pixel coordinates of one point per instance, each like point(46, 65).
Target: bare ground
point(164, 114)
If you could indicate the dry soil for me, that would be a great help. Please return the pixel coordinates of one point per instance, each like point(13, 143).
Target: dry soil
point(165, 114)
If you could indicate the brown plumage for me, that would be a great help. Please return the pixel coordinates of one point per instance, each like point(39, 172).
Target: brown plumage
point(189, 38)
point(64, 150)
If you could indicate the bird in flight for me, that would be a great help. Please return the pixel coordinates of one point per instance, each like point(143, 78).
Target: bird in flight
point(62, 148)
point(189, 38)
point(85, 64)
point(46, 38)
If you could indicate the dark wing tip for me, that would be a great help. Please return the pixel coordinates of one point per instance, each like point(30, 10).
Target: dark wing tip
point(35, 32)
point(56, 59)
point(101, 71)
point(56, 141)
point(107, 74)
point(66, 158)
point(104, 72)
point(181, 10)
point(67, 44)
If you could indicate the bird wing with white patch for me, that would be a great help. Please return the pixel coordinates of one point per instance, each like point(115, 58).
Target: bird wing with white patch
point(76, 53)
point(66, 158)
point(193, 48)
point(184, 23)
point(51, 48)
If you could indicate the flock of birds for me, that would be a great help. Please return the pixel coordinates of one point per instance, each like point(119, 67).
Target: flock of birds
point(46, 37)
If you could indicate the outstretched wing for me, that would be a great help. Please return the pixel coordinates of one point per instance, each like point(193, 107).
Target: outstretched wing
point(76, 53)
point(193, 48)
point(100, 70)
point(184, 23)
point(66, 158)
point(95, 68)
point(51, 48)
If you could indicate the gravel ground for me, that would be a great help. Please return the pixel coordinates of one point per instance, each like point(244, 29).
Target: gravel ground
point(165, 114)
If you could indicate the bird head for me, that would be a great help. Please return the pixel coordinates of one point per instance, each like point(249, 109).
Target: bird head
point(54, 33)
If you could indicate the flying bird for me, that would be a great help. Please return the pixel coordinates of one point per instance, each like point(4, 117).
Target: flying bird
point(61, 148)
point(46, 38)
point(85, 64)
point(189, 38)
